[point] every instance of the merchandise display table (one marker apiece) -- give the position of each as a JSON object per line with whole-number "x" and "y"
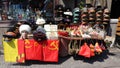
{"x": 72, "y": 45}
{"x": 19, "y": 50}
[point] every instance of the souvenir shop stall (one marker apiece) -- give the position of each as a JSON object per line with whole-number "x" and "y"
{"x": 72, "y": 31}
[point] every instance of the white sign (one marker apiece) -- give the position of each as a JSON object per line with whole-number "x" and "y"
{"x": 51, "y": 31}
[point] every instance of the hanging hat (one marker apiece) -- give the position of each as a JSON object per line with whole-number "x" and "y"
{"x": 25, "y": 27}
{"x": 40, "y": 21}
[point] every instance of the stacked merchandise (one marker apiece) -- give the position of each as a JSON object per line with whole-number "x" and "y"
{"x": 90, "y": 49}
{"x": 92, "y": 25}
{"x": 67, "y": 16}
{"x": 92, "y": 17}
{"x": 59, "y": 14}
{"x": 85, "y": 36}
{"x": 76, "y": 15}
{"x": 63, "y": 16}
{"x": 84, "y": 15}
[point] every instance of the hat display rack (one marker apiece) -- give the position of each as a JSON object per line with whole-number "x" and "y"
{"x": 93, "y": 11}
{"x": 96, "y": 14}
{"x": 96, "y": 11}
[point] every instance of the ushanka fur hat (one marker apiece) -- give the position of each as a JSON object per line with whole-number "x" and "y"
{"x": 24, "y": 27}
{"x": 39, "y": 34}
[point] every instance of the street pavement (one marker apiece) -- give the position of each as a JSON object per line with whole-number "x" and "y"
{"x": 108, "y": 59}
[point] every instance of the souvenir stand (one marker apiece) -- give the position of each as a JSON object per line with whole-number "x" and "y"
{"x": 85, "y": 35}
{"x": 79, "y": 31}
{"x": 28, "y": 39}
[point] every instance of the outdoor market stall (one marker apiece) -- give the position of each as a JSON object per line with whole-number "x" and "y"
{"x": 81, "y": 32}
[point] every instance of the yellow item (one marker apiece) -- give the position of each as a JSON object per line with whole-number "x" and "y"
{"x": 10, "y": 50}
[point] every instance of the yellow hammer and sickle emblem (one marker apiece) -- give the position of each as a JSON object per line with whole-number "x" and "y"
{"x": 27, "y": 42}
{"x": 55, "y": 45}
{"x": 36, "y": 43}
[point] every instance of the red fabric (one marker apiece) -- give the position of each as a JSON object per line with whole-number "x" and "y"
{"x": 21, "y": 51}
{"x": 33, "y": 50}
{"x": 92, "y": 50}
{"x": 50, "y": 50}
{"x": 84, "y": 50}
{"x": 97, "y": 47}
{"x": 63, "y": 33}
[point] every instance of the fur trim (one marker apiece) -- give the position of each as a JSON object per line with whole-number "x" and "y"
{"x": 24, "y": 27}
{"x": 41, "y": 29}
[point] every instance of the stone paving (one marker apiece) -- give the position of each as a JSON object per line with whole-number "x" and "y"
{"x": 109, "y": 59}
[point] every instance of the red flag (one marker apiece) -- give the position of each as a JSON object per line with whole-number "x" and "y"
{"x": 33, "y": 50}
{"x": 21, "y": 51}
{"x": 29, "y": 50}
{"x": 50, "y": 50}
{"x": 84, "y": 51}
